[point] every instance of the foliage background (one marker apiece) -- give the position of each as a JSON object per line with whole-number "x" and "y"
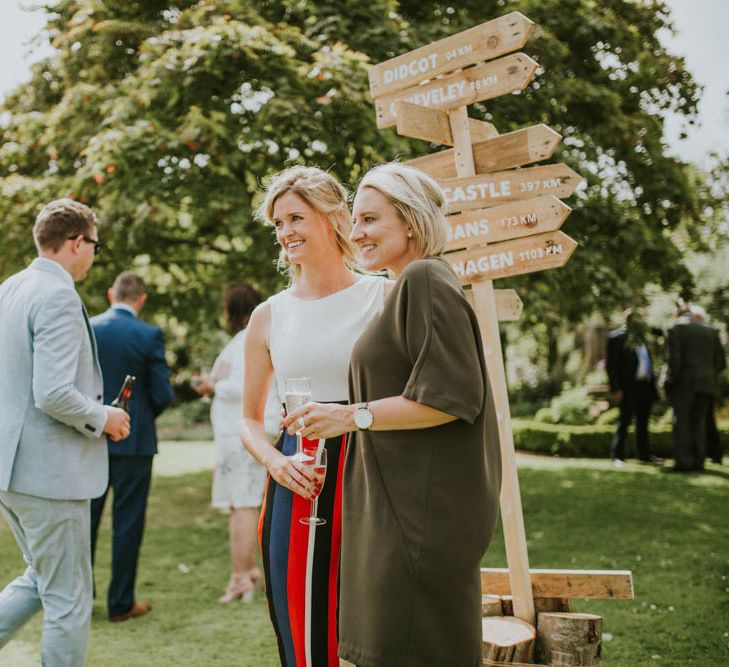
{"x": 167, "y": 118}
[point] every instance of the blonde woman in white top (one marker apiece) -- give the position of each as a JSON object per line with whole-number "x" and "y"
{"x": 307, "y": 330}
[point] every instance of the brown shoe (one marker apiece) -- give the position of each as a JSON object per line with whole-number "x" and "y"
{"x": 138, "y": 609}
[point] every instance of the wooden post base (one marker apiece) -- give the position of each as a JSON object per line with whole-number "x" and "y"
{"x": 491, "y": 605}
{"x": 569, "y": 639}
{"x": 508, "y": 639}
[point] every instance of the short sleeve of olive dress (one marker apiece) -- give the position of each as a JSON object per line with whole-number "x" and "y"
{"x": 420, "y": 506}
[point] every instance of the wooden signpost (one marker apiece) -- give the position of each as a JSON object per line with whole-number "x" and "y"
{"x": 490, "y": 154}
{"x": 504, "y": 221}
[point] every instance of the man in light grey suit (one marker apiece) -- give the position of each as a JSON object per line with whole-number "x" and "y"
{"x": 53, "y": 455}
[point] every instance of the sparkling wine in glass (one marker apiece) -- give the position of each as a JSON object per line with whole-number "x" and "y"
{"x": 316, "y": 463}
{"x": 298, "y": 394}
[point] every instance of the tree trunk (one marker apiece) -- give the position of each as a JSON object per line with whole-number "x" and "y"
{"x": 508, "y": 639}
{"x": 570, "y": 639}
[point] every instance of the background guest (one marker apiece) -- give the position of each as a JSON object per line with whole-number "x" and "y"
{"x": 52, "y": 448}
{"x": 714, "y": 445}
{"x": 633, "y": 384}
{"x": 129, "y": 346}
{"x": 695, "y": 359}
{"x": 239, "y": 479}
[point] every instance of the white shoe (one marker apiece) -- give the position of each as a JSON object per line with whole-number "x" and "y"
{"x": 618, "y": 463}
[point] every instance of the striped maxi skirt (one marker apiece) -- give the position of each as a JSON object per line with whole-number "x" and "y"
{"x": 301, "y": 563}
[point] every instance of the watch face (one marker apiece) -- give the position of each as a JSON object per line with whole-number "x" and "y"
{"x": 363, "y": 418}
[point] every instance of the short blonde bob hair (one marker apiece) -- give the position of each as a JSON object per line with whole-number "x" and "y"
{"x": 419, "y": 200}
{"x": 323, "y": 193}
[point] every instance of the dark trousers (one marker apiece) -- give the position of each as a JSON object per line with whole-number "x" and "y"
{"x": 690, "y": 411}
{"x": 636, "y": 403}
{"x": 129, "y": 477}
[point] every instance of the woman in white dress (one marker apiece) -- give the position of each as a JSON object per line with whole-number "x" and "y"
{"x": 307, "y": 330}
{"x": 239, "y": 479}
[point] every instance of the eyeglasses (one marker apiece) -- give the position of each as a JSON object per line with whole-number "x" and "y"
{"x": 88, "y": 239}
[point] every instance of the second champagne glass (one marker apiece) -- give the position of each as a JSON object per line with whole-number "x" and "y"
{"x": 317, "y": 463}
{"x": 298, "y": 394}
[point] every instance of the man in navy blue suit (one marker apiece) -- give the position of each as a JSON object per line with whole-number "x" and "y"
{"x": 633, "y": 384}
{"x": 129, "y": 346}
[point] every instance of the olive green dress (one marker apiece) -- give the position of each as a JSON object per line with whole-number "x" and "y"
{"x": 420, "y": 505}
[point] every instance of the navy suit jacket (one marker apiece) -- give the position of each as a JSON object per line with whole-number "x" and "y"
{"x": 129, "y": 346}
{"x": 622, "y": 364}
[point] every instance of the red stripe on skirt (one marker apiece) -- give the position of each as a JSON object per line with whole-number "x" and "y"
{"x": 262, "y": 515}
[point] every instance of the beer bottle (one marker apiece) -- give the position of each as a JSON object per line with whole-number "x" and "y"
{"x": 125, "y": 393}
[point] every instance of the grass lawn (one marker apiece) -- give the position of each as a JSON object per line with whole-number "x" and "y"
{"x": 670, "y": 530}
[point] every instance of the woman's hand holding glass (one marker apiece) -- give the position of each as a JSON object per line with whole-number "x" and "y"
{"x": 321, "y": 420}
{"x": 290, "y": 471}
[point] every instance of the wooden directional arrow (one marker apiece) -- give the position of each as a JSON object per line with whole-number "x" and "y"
{"x": 483, "y": 42}
{"x": 464, "y": 194}
{"x": 433, "y": 125}
{"x": 514, "y": 149}
{"x": 508, "y": 221}
{"x": 483, "y": 82}
{"x": 508, "y": 304}
{"x": 512, "y": 258}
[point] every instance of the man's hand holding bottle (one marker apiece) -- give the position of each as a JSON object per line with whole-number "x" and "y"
{"x": 117, "y": 423}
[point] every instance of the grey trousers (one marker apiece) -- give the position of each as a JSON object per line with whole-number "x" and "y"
{"x": 53, "y": 536}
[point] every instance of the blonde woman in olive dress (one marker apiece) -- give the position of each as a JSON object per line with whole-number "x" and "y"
{"x": 423, "y": 469}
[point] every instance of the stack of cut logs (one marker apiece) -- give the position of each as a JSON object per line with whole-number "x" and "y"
{"x": 560, "y": 638}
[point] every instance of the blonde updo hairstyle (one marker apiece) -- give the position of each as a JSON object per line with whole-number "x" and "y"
{"x": 323, "y": 193}
{"x": 419, "y": 200}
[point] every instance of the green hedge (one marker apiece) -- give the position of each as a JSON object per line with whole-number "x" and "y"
{"x": 585, "y": 441}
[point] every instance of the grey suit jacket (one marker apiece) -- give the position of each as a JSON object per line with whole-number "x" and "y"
{"x": 52, "y": 443}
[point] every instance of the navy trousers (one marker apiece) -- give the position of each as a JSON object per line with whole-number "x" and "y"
{"x": 129, "y": 477}
{"x": 636, "y": 404}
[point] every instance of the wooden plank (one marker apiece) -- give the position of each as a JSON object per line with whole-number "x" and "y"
{"x": 509, "y": 305}
{"x": 507, "y": 221}
{"x": 512, "y": 258}
{"x": 483, "y": 42}
{"x": 483, "y": 82}
{"x": 463, "y": 155}
{"x": 585, "y": 584}
{"x": 428, "y": 124}
{"x": 465, "y": 194}
{"x": 513, "y": 149}
{"x": 481, "y": 131}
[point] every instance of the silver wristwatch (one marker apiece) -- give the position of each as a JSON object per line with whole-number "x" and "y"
{"x": 363, "y": 417}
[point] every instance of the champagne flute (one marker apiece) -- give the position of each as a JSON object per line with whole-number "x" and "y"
{"x": 317, "y": 463}
{"x": 298, "y": 394}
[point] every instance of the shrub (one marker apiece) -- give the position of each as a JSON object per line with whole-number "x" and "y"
{"x": 572, "y": 406}
{"x": 584, "y": 441}
{"x": 608, "y": 418}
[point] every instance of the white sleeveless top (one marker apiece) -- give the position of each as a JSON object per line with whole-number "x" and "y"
{"x": 314, "y": 338}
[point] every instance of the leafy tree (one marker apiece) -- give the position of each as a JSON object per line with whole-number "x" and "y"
{"x": 165, "y": 118}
